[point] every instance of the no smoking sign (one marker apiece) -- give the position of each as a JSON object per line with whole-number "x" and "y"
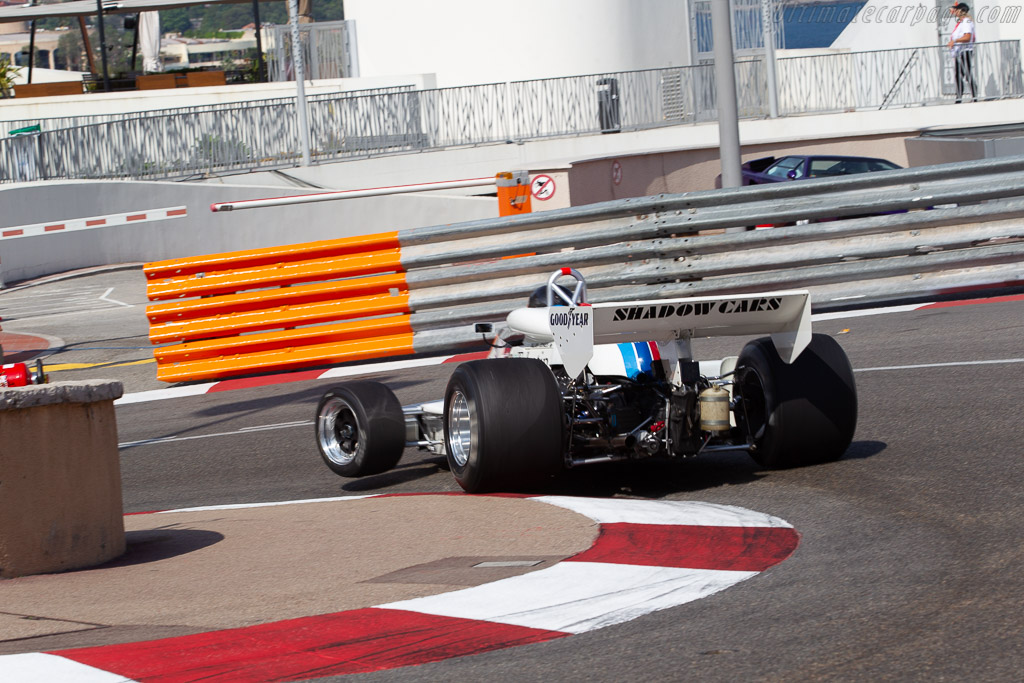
{"x": 543, "y": 187}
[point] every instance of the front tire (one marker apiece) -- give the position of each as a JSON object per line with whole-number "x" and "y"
{"x": 503, "y": 424}
{"x": 360, "y": 429}
{"x": 803, "y": 413}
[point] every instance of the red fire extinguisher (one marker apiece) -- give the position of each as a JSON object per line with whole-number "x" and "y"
{"x": 19, "y": 375}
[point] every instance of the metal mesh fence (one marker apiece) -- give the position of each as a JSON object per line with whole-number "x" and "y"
{"x": 233, "y": 138}
{"x": 328, "y": 51}
{"x": 891, "y": 78}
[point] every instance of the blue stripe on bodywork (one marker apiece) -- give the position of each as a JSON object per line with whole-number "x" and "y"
{"x": 629, "y": 359}
{"x": 643, "y": 352}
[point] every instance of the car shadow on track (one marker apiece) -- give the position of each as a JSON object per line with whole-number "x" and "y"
{"x": 308, "y": 395}
{"x": 408, "y": 470}
{"x": 659, "y": 478}
{"x": 859, "y": 450}
{"x": 646, "y": 479}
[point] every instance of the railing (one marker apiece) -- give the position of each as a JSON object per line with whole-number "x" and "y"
{"x": 891, "y": 78}
{"x": 328, "y": 51}
{"x": 233, "y": 138}
{"x": 931, "y": 231}
{"x": 58, "y": 122}
{"x": 200, "y": 140}
{"x": 747, "y": 27}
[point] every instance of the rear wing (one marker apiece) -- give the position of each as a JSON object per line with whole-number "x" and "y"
{"x": 785, "y": 315}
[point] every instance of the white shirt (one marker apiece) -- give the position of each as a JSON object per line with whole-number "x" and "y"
{"x": 962, "y": 28}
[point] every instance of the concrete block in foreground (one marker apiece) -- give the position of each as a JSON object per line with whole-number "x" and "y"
{"x": 60, "y": 477}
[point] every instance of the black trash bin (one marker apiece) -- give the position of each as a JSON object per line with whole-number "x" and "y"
{"x": 608, "y": 105}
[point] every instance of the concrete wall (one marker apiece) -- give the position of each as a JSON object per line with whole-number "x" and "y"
{"x": 700, "y": 169}
{"x": 885, "y": 24}
{"x": 938, "y": 149}
{"x": 468, "y": 42}
{"x": 59, "y": 466}
{"x": 756, "y": 135}
{"x": 201, "y": 231}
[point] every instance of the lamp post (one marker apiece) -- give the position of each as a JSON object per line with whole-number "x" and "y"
{"x": 768, "y": 33}
{"x": 300, "y": 81}
{"x": 725, "y": 88}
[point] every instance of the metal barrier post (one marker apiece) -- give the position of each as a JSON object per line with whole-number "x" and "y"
{"x": 513, "y": 193}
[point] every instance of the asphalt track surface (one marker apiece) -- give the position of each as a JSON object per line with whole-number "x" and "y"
{"x": 910, "y": 546}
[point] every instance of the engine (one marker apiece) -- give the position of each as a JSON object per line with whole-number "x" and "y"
{"x": 611, "y": 418}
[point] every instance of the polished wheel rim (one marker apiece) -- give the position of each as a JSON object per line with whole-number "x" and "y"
{"x": 338, "y": 431}
{"x": 459, "y": 436}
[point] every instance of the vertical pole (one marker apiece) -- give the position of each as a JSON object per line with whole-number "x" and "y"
{"x": 103, "y": 46}
{"x": 768, "y": 31}
{"x": 31, "y": 49}
{"x": 314, "y": 58}
{"x": 725, "y": 86}
{"x": 351, "y": 51}
{"x": 87, "y": 44}
{"x": 261, "y": 66}
{"x": 300, "y": 80}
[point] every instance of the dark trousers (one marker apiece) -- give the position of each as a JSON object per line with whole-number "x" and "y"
{"x": 964, "y": 74}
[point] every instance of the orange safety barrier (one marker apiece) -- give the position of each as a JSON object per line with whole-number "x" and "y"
{"x": 289, "y": 307}
{"x": 289, "y": 359}
{"x": 278, "y": 308}
{"x": 271, "y": 255}
{"x": 273, "y": 341}
{"x": 275, "y": 275}
{"x": 276, "y": 318}
{"x": 284, "y": 296}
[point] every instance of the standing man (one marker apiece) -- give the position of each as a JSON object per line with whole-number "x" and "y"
{"x": 961, "y": 46}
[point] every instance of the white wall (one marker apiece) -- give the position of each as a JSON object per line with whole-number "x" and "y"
{"x": 885, "y": 24}
{"x": 201, "y": 232}
{"x": 469, "y": 42}
{"x": 47, "y": 75}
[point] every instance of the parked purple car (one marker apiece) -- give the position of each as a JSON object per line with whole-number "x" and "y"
{"x": 798, "y": 166}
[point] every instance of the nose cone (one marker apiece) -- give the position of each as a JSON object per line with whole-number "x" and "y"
{"x": 532, "y": 323}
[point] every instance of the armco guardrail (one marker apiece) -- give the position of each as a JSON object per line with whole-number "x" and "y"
{"x": 889, "y": 235}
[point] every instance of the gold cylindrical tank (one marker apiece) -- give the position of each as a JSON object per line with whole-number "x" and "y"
{"x": 714, "y": 410}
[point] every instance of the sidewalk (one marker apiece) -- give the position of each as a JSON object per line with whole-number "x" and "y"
{"x": 300, "y": 590}
{"x": 189, "y": 572}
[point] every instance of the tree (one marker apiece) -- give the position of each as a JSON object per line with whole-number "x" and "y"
{"x": 7, "y": 73}
{"x": 119, "y": 49}
{"x": 175, "y": 21}
{"x": 71, "y": 52}
{"x": 198, "y": 20}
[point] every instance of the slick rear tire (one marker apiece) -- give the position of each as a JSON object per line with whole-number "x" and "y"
{"x": 360, "y": 429}
{"x": 799, "y": 414}
{"x": 503, "y": 424}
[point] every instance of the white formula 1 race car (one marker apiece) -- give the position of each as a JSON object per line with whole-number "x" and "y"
{"x": 569, "y": 384}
